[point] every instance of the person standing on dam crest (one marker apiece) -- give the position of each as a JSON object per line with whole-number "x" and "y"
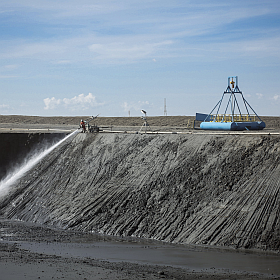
{"x": 83, "y": 126}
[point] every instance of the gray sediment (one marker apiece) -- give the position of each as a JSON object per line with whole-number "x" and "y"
{"x": 220, "y": 190}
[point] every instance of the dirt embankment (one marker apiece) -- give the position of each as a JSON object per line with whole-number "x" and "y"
{"x": 200, "y": 189}
{"x": 179, "y": 121}
{"x": 115, "y": 121}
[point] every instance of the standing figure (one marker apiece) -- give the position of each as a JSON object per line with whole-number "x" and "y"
{"x": 83, "y": 126}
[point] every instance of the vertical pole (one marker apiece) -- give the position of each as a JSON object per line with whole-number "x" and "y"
{"x": 232, "y": 110}
{"x": 145, "y": 123}
{"x": 165, "y": 111}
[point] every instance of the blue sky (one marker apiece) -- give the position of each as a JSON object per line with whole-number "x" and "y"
{"x": 71, "y": 58}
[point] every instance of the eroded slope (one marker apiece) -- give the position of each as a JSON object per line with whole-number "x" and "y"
{"x": 218, "y": 190}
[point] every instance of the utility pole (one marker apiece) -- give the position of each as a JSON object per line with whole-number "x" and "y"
{"x": 165, "y": 111}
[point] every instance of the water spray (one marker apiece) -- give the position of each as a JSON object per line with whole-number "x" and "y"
{"x": 13, "y": 177}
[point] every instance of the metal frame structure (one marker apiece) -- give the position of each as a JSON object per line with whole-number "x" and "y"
{"x": 232, "y": 103}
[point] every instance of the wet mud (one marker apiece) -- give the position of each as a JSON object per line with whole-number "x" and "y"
{"x": 32, "y": 251}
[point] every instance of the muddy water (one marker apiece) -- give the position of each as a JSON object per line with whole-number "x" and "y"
{"x": 192, "y": 258}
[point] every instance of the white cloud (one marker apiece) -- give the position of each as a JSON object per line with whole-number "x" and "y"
{"x": 90, "y": 48}
{"x": 51, "y": 103}
{"x": 138, "y": 35}
{"x": 80, "y": 102}
{"x": 276, "y": 97}
{"x": 259, "y": 95}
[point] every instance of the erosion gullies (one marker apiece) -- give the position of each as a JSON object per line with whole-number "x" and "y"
{"x": 198, "y": 189}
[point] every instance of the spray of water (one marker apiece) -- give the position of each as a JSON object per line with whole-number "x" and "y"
{"x": 13, "y": 177}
